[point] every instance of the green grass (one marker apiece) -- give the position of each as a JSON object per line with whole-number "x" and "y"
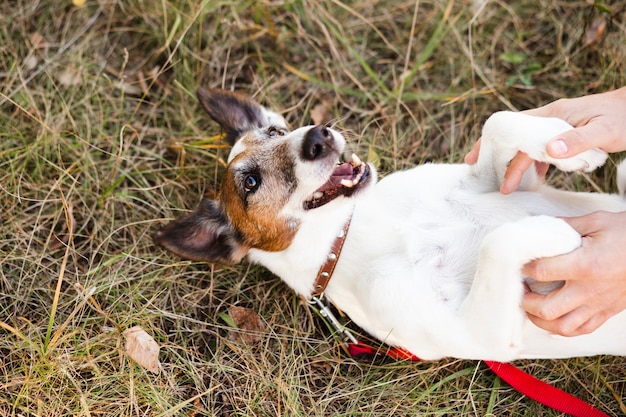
{"x": 102, "y": 141}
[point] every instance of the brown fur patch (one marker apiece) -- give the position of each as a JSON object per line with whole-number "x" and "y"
{"x": 256, "y": 215}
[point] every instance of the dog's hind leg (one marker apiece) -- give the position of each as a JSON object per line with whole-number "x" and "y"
{"x": 506, "y": 133}
{"x": 491, "y": 311}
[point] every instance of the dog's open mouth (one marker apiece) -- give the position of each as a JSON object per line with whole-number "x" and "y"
{"x": 346, "y": 178}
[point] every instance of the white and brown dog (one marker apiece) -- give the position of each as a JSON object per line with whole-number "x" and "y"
{"x": 427, "y": 259}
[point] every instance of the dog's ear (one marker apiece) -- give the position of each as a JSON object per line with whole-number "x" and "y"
{"x": 235, "y": 112}
{"x": 204, "y": 235}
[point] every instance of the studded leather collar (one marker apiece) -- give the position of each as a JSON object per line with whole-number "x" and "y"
{"x": 326, "y": 271}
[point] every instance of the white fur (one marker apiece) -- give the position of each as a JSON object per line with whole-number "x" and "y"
{"x": 433, "y": 255}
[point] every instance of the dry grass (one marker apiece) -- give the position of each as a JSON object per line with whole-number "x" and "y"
{"x": 102, "y": 139}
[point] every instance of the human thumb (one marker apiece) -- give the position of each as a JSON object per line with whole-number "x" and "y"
{"x": 572, "y": 142}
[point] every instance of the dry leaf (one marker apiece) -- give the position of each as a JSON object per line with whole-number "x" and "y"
{"x": 30, "y": 62}
{"x": 248, "y": 323}
{"x": 38, "y": 41}
{"x": 70, "y": 77}
{"x": 319, "y": 113}
{"x": 142, "y": 348}
{"x": 594, "y": 32}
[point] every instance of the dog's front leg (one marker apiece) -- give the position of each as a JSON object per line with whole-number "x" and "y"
{"x": 492, "y": 311}
{"x": 505, "y": 133}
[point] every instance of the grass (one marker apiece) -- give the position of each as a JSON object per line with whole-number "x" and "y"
{"x": 102, "y": 141}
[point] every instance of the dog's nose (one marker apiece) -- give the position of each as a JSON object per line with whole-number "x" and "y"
{"x": 317, "y": 143}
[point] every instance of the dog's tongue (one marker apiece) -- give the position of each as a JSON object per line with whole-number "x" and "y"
{"x": 343, "y": 181}
{"x": 341, "y": 172}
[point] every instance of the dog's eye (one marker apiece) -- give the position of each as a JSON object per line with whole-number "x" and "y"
{"x": 274, "y": 132}
{"x": 251, "y": 183}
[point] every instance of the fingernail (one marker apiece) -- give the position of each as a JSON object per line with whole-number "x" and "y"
{"x": 557, "y": 147}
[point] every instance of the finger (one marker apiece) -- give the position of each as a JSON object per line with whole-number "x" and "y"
{"x": 589, "y": 224}
{"x": 562, "y": 312}
{"x": 562, "y": 267}
{"x": 544, "y": 307}
{"x": 555, "y": 268}
{"x": 472, "y": 156}
{"x": 514, "y": 172}
{"x": 575, "y": 141}
{"x": 543, "y": 111}
{"x": 573, "y": 324}
{"x": 589, "y": 326}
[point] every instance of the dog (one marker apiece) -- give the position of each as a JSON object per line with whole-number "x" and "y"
{"x": 428, "y": 259}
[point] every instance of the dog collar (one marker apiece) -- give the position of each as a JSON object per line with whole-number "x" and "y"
{"x": 326, "y": 271}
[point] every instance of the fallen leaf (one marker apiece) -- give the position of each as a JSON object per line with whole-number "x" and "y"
{"x": 31, "y": 62}
{"x": 70, "y": 77}
{"x": 142, "y": 348}
{"x": 38, "y": 41}
{"x": 319, "y": 113}
{"x": 249, "y": 325}
{"x": 594, "y": 32}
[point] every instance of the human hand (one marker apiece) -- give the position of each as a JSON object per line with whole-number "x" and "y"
{"x": 514, "y": 172}
{"x": 598, "y": 121}
{"x": 594, "y": 275}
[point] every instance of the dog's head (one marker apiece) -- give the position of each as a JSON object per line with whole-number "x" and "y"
{"x": 275, "y": 178}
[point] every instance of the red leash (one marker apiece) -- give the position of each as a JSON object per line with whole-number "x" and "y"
{"x": 523, "y": 382}
{"x": 542, "y": 392}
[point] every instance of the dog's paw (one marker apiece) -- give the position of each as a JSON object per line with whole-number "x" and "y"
{"x": 503, "y": 253}
{"x": 534, "y": 237}
{"x": 586, "y": 161}
{"x": 553, "y": 236}
{"x": 531, "y": 135}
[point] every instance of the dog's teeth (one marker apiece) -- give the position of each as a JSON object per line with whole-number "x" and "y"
{"x": 355, "y": 160}
{"x": 318, "y": 194}
{"x": 347, "y": 183}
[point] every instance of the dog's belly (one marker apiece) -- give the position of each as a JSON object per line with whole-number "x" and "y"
{"x": 407, "y": 274}
{"x": 413, "y": 254}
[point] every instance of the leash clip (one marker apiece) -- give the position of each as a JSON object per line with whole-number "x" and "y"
{"x": 325, "y": 311}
